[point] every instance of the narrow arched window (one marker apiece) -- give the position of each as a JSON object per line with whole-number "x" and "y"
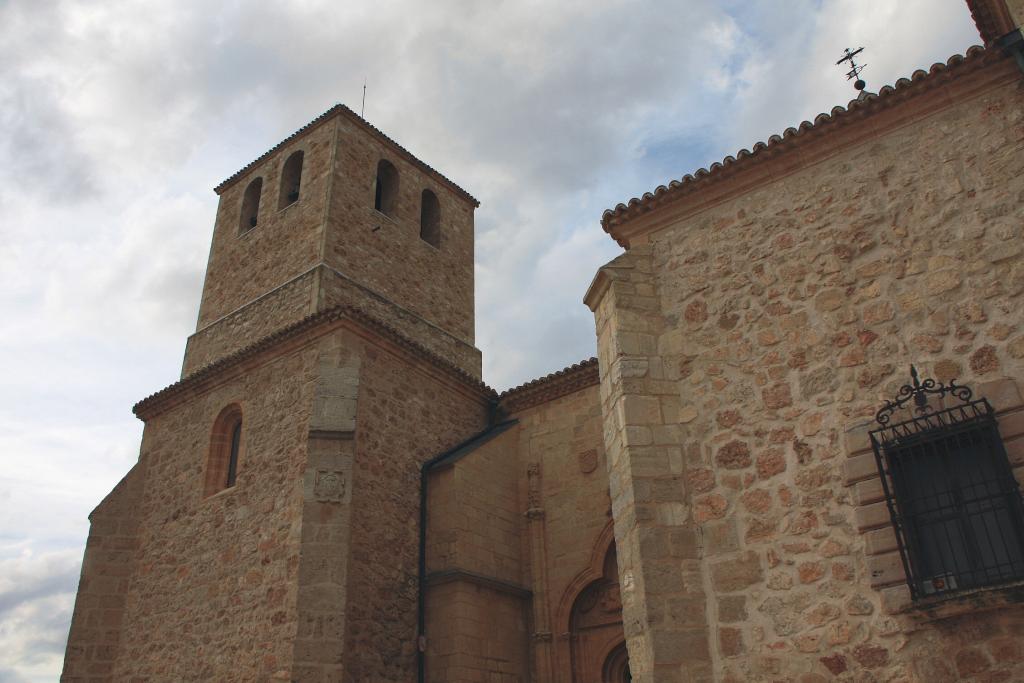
{"x": 385, "y": 188}
{"x": 236, "y": 442}
{"x": 291, "y": 180}
{"x": 250, "y": 206}
{"x": 226, "y": 450}
{"x": 430, "y": 219}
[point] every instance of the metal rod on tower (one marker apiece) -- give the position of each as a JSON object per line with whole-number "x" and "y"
{"x": 362, "y": 109}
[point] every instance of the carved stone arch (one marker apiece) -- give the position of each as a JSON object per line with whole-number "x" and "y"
{"x": 592, "y": 572}
{"x": 589, "y": 620}
{"x": 250, "y": 211}
{"x": 291, "y": 179}
{"x": 616, "y": 666}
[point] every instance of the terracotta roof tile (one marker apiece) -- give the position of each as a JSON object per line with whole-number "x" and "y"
{"x": 780, "y": 143}
{"x": 342, "y": 110}
{"x": 549, "y": 387}
{"x": 292, "y": 331}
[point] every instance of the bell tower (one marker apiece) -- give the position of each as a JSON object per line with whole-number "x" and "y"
{"x": 333, "y": 356}
{"x": 338, "y": 214}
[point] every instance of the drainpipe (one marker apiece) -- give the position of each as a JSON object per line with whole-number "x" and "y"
{"x": 494, "y": 428}
{"x": 1013, "y": 44}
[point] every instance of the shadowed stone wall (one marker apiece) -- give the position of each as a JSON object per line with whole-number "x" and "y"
{"x": 762, "y": 328}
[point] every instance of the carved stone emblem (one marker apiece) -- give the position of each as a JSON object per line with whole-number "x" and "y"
{"x": 588, "y": 461}
{"x": 600, "y": 604}
{"x": 533, "y": 501}
{"x": 329, "y": 486}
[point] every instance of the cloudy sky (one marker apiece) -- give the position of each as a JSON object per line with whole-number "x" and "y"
{"x": 117, "y": 117}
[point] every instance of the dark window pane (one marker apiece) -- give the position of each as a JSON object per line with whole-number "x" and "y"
{"x": 236, "y": 439}
{"x": 957, "y": 507}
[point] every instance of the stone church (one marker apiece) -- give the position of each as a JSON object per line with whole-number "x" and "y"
{"x": 747, "y": 483}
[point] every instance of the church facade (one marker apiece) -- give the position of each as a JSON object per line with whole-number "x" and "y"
{"x": 746, "y": 484}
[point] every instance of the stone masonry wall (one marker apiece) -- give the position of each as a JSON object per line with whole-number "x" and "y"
{"x": 475, "y": 521}
{"x": 1016, "y": 10}
{"x": 336, "y": 288}
{"x": 476, "y": 633}
{"x": 318, "y": 290}
{"x": 530, "y": 508}
{"x": 564, "y": 494}
{"x": 406, "y": 415}
{"x": 385, "y": 253}
{"x": 657, "y": 533}
{"x": 110, "y": 560}
{"x": 789, "y": 314}
{"x": 267, "y": 277}
{"x": 214, "y": 596}
{"x": 274, "y": 311}
{"x": 476, "y": 604}
{"x": 284, "y": 244}
{"x": 327, "y": 513}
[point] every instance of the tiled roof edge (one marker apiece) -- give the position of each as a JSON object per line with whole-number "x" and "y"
{"x": 919, "y": 80}
{"x": 351, "y": 115}
{"x": 547, "y": 388}
{"x": 294, "y": 330}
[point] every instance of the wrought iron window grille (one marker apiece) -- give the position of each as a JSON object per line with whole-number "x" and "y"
{"x": 955, "y": 505}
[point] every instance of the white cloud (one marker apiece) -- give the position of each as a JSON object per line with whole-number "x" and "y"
{"x": 36, "y": 598}
{"x": 121, "y": 114}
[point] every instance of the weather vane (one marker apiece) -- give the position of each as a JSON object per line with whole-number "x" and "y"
{"x": 855, "y": 69}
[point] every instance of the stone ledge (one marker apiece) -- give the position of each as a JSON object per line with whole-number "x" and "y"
{"x": 293, "y": 334}
{"x": 464, "y": 576}
{"x": 886, "y": 570}
{"x": 976, "y": 600}
{"x": 860, "y": 468}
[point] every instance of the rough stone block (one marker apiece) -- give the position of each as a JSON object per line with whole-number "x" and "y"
{"x": 1011, "y": 424}
{"x": 732, "y": 609}
{"x": 734, "y": 574}
{"x": 868, "y": 492}
{"x": 640, "y": 410}
{"x": 886, "y": 570}
{"x": 857, "y": 438}
{"x": 872, "y": 516}
{"x": 879, "y": 541}
{"x": 859, "y": 468}
{"x": 1003, "y": 394}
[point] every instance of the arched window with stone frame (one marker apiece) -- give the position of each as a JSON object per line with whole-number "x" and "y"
{"x": 291, "y": 180}
{"x": 226, "y": 451}
{"x": 249, "y": 215}
{"x": 430, "y": 219}
{"x": 385, "y": 188}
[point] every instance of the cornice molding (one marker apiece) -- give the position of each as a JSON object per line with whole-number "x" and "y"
{"x": 314, "y": 325}
{"x": 548, "y": 388}
{"x": 862, "y": 120}
{"x": 597, "y": 289}
{"x": 329, "y": 115}
{"x": 463, "y": 575}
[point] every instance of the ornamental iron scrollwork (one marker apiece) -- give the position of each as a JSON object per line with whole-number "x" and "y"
{"x": 919, "y": 392}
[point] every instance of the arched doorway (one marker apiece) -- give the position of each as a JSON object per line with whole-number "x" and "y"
{"x": 616, "y": 667}
{"x": 595, "y": 627}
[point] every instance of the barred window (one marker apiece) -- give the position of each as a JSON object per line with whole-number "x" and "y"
{"x": 955, "y": 504}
